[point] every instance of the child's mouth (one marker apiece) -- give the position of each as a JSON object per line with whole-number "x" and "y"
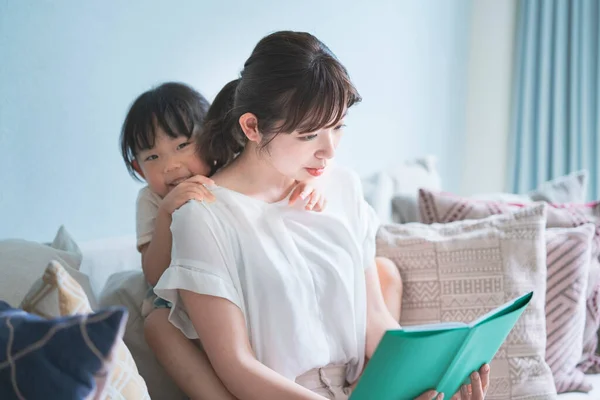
{"x": 177, "y": 182}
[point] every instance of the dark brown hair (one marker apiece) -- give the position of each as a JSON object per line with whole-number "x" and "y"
{"x": 176, "y": 108}
{"x": 291, "y": 82}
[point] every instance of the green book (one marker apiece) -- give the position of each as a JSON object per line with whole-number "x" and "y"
{"x": 412, "y": 360}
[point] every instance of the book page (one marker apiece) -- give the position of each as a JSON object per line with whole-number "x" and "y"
{"x": 442, "y": 326}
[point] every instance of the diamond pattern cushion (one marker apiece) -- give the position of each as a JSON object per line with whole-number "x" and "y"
{"x": 58, "y": 294}
{"x": 61, "y": 358}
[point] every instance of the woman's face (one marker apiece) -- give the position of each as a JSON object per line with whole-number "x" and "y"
{"x": 303, "y": 156}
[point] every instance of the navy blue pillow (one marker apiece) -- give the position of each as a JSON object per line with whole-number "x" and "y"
{"x": 61, "y": 358}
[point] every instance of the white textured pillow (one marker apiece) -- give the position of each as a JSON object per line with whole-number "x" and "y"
{"x": 404, "y": 179}
{"x": 22, "y": 262}
{"x": 571, "y": 188}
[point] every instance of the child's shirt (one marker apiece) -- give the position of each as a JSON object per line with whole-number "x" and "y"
{"x": 145, "y": 215}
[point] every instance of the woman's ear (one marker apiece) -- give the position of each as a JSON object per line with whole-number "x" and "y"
{"x": 249, "y": 124}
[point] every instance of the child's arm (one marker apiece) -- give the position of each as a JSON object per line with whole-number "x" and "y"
{"x": 156, "y": 254}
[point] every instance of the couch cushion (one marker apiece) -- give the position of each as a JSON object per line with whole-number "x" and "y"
{"x": 443, "y": 208}
{"x": 401, "y": 180}
{"x": 57, "y": 294}
{"x": 458, "y": 272}
{"x": 60, "y": 358}
{"x": 22, "y": 262}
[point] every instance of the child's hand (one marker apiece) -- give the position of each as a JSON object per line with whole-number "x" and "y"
{"x": 316, "y": 201}
{"x": 191, "y": 188}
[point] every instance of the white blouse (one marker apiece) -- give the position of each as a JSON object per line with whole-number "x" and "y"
{"x": 296, "y": 275}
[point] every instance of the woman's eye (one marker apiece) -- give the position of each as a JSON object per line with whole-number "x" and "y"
{"x": 337, "y": 128}
{"x": 308, "y": 137}
{"x": 182, "y": 145}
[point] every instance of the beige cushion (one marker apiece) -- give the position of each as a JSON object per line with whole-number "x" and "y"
{"x": 57, "y": 294}
{"x": 444, "y": 207}
{"x": 460, "y": 271}
{"x": 129, "y": 289}
{"x": 568, "y": 259}
{"x": 22, "y": 262}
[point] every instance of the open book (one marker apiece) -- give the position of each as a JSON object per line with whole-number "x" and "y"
{"x": 414, "y": 359}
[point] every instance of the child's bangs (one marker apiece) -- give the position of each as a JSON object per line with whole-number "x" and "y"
{"x": 176, "y": 120}
{"x": 322, "y": 100}
{"x": 172, "y": 120}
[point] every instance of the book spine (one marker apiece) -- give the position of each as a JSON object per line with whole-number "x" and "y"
{"x": 444, "y": 382}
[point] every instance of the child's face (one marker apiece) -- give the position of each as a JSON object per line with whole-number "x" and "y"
{"x": 169, "y": 162}
{"x": 304, "y": 156}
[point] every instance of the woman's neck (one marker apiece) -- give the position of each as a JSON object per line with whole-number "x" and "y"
{"x": 252, "y": 175}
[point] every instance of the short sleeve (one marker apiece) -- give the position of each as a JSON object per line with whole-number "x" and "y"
{"x": 368, "y": 224}
{"x": 145, "y": 215}
{"x": 201, "y": 262}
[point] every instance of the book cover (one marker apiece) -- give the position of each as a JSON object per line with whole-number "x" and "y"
{"x": 412, "y": 360}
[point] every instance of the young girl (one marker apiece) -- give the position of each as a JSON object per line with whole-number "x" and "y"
{"x": 158, "y": 145}
{"x": 287, "y": 303}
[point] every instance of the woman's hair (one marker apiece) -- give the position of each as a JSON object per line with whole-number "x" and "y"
{"x": 291, "y": 82}
{"x": 175, "y": 108}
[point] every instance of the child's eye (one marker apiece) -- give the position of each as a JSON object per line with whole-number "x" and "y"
{"x": 337, "y": 128}
{"x": 307, "y": 137}
{"x": 151, "y": 157}
{"x": 182, "y": 145}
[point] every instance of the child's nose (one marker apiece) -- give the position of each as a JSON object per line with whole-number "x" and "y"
{"x": 172, "y": 165}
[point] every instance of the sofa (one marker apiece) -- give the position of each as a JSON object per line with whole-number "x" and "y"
{"x": 109, "y": 269}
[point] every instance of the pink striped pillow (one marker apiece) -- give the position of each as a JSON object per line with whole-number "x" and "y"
{"x": 568, "y": 259}
{"x": 443, "y": 208}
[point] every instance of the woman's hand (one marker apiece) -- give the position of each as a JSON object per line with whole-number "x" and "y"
{"x": 316, "y": 201}
{"x": 480, "y": 381}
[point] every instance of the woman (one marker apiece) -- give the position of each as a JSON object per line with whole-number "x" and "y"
{"x": 286, "y": 303}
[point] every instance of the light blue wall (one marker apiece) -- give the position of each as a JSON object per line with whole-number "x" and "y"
{"x": 69, "y": 69}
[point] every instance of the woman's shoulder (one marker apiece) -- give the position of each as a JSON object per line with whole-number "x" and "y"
{"x": 198, "y": 215}
{"x": 340, "y": 179}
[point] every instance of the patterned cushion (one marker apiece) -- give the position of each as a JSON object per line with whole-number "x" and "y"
{"x": 58, "y": 294}
{"x": 443, "y": 208}
{"x": 459, "y": 271}
{"x": 568, "y": 259}
{"x": 62, "y": 358}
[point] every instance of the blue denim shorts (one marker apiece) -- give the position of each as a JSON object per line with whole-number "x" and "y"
{"x": 152, "y": 302}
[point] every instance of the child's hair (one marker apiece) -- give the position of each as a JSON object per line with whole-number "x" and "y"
{"x": 291, "y": 82}
{"x": 176, "y": 108}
